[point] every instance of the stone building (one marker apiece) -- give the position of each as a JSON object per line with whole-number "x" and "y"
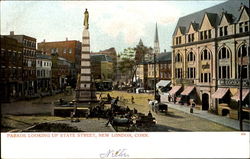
{"x": 11, "y": 83}
{"x": 207, "y": 46}
{"x": 28, "y": 63}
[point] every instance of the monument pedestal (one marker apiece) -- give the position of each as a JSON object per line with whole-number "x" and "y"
{"x": 85, "y": 91}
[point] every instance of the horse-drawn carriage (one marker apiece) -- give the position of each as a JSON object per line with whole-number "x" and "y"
{"x": 155, "y": 106}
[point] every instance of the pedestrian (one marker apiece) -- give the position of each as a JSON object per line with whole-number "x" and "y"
{"x": 132, "y": 100}
{"x": 150, "y": 114}
{"x": 135, "y": 111}
{"x": 100, "y": 96}
{"x": 110, "y": 116}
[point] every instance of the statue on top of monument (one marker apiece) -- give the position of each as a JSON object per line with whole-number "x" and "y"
{"x": 86, "y": 19}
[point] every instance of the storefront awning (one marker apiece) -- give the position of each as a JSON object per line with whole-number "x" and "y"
{"x": 163, "y": 83}
{"x": 187, "y": 90}
{"x": 220, "y": 93}
{"x": 245, "y": 92}
{"x": 174, "y": 90}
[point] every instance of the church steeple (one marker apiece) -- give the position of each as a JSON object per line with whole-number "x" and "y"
{"x": 156, "y": 41}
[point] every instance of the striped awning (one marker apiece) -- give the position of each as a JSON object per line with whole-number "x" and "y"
{"x": 174, "y": 90}
{"x": 245, "y": 92}
{"x": 187, "y": 90}
{"x": 220, "y": 93}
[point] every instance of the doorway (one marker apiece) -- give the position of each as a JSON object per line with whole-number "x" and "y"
{"x": 205, "y": 102}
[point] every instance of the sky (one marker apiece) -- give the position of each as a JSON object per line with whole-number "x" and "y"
{"x": 119, "y": 24}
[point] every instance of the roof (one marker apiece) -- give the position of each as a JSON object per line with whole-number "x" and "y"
{"x": 43, "y": 56}
{"x": 214, "y": 14}
{"x": 163, "y": 57}
{"x": 100, "y": 57}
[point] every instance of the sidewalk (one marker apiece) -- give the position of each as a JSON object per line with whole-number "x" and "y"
{"x": 215, "y": 118}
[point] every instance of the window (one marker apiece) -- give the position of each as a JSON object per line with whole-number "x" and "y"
{"x": 246, "y": 26}
{"x": 243, "y": 51}
{"x": 241, "y": 27}
{"x": 70, "y": 50}
{"x": 191, "y": 56}
{"x": 191, "y": 72}
{"x": 225, "y": 30}
{"x": 65, "y": 51}
{"x": 205, "y": 77}
{"x": 221, "y": 31}
{"x": 201, "y": 35}
{"x": 205, "y": 55}
{"x": 209, "y": 34}
{"x": 224, "y": 72}
{"x": 178, "y": 58}
{"x": 178, "y": 72}
{"x": 224, "y": 53}
{"x": 205, "y": 34}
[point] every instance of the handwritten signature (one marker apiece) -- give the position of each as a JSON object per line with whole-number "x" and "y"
{"x": 122, "y": 153}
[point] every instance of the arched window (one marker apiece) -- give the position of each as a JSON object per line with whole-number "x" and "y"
{"x": 191, "y": 56}
{"x": 205, "y": 55}
{"x": 178, "y": 58}
{"x": 242, "y": 50}
{"x": 224, "y": 53}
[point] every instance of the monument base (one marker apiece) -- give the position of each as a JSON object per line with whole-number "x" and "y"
{"x": 86, "y": 96}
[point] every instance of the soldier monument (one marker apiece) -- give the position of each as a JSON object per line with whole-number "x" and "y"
{"x": 85, "y": 91}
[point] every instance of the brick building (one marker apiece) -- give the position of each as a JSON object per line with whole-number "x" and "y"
{"x": 68, "y": 49}
{"x": 11, "y": 83}
{"x": 28, "y": 63}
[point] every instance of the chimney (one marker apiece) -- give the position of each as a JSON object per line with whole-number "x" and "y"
{"x": 66, "y": 38}
{"x": 11, "y": 33}
{"x": 44, "y": 40}
{"x": 165, "y": 51}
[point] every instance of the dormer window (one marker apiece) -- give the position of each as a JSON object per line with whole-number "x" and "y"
{"x": 190, "y": 38}
{"x": 178, "y": 40}
{"x": 244, "y": 27}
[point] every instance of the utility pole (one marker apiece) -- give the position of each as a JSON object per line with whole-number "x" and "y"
{"x": 154, "y": 76}
{"x": 240, "y": 101}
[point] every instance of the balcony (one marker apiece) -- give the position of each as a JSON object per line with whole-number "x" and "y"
{"x": 233, "y": 82}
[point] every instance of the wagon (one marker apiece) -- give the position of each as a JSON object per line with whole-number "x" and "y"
{"x": 161, "y": 107}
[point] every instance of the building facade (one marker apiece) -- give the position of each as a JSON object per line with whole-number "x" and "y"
{"x": 28, "y": 63}
{"x": 11, "y": 81}
{"x": 103, "y": 71}
{"x": 207, "y": 46}
{"x": 68, "y": 49}
{"x": 111, "y": 52}
{"x": 43, "y": 73}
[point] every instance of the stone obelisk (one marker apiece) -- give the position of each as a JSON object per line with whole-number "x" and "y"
{"x": 85, "y": 90}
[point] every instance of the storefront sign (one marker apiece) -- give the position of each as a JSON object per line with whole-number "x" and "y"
{"x": 234, "y": 82}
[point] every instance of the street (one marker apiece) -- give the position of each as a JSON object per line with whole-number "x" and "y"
{"x": 173, "y": 120}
